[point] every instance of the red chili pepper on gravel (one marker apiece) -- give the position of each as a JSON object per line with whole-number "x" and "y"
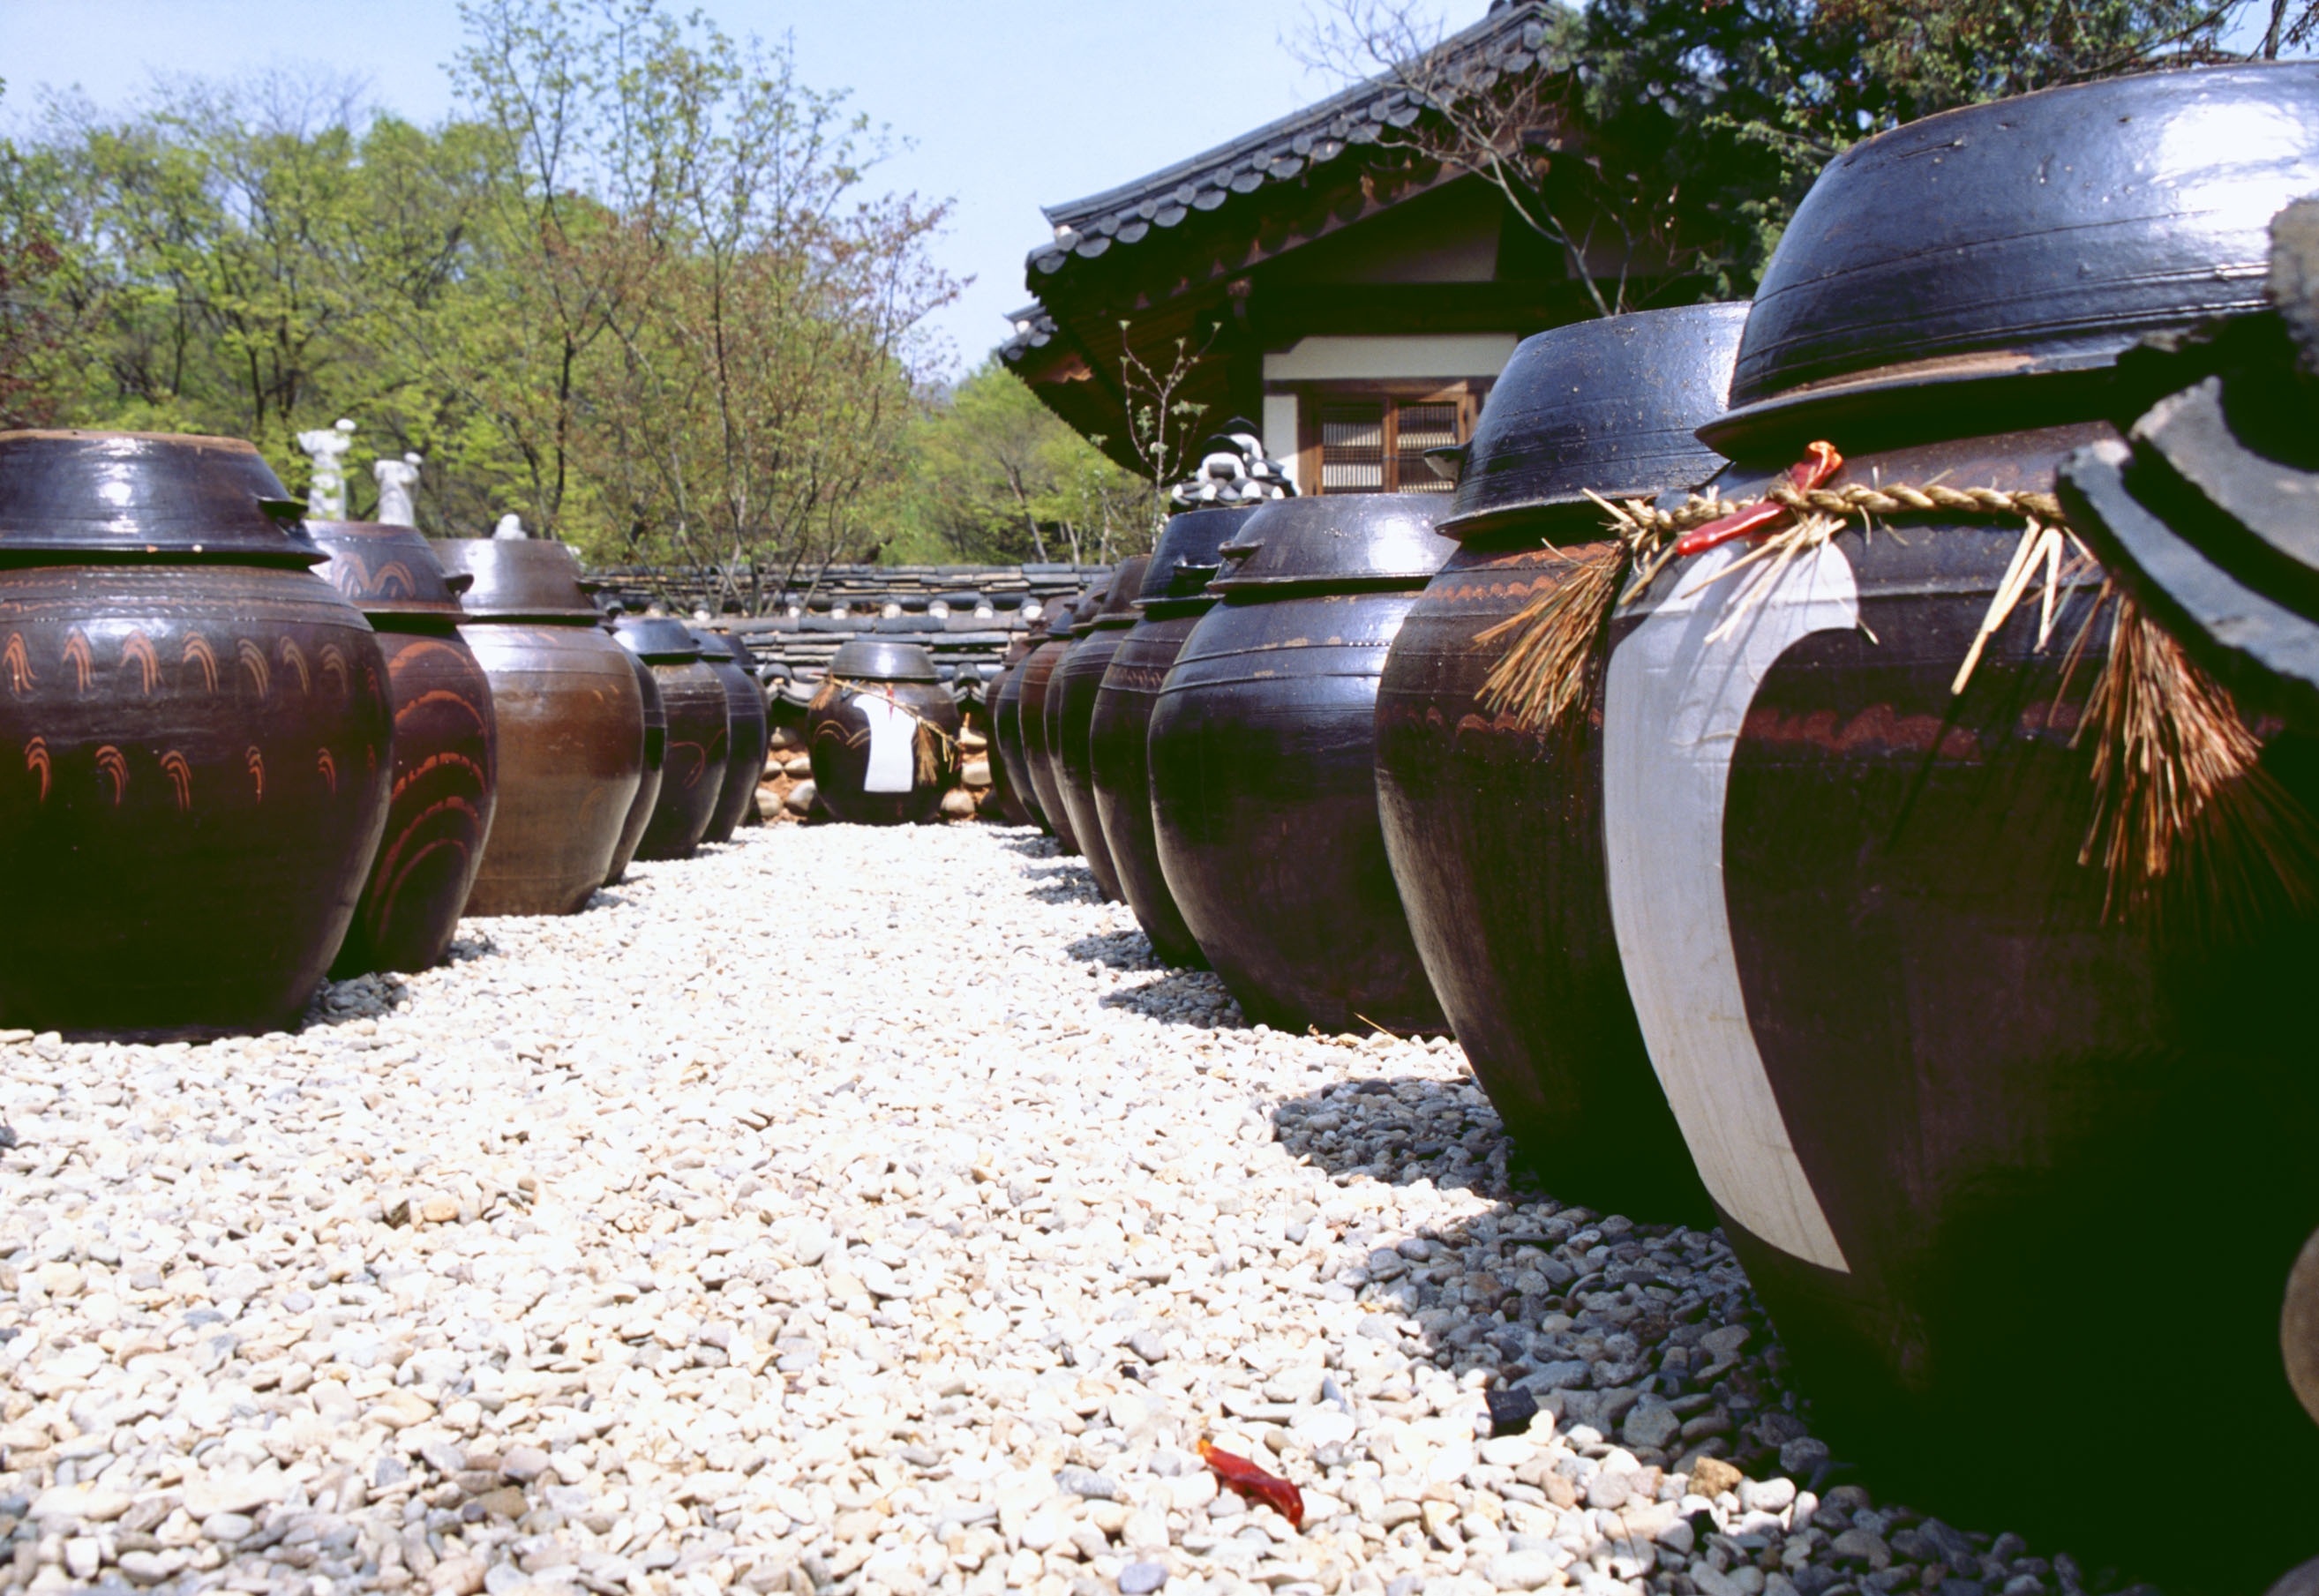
{"x": 1256, "y": 1483}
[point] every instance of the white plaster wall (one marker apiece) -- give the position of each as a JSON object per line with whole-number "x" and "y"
{"x": 1335, "y": 356}
{"x": 1280, "y": 433}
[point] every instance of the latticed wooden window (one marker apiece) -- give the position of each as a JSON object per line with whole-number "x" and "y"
{"x": 1378, "y": 445}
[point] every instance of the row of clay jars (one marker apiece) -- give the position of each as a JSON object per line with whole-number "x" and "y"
{"x": 1073, "y": 690}
{"x": 1918, "y": 1054}
{"x": 195, "y": 740}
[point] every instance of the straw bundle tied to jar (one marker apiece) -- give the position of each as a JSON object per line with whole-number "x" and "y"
{"x": 2180, "y": 793}
{"x": 931, "y": 747}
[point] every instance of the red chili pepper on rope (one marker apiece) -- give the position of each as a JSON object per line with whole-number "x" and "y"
{"x": 1250, "y": 1481}
{"x": 1821, "y": 464}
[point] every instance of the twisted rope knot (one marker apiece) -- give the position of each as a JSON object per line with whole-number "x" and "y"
{"x": 1646, "y": 521}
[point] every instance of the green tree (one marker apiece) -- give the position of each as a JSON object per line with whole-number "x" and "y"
{"x": 995, "y": 477}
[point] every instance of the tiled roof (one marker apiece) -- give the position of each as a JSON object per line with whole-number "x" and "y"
{"x": 1508, "y": 40}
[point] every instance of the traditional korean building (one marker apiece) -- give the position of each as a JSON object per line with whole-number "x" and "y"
{"x": 1353, "y": 298}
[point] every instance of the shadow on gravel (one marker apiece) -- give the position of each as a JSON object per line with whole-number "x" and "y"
{"x": 1194, "y": 997}
{"x": 1118, "y": 950}
{"x": 1031, "y": 844}
{"x": 1647, "y": 1333}
{"x": 1069, "y": 881}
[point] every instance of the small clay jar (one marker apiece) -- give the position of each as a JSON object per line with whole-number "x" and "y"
{"x": 882, "y": 734}
{"x": 445, "y": 746}
{"x": 570, "y": 724}
{"x": 692, "y": 776}
{"x": 744, "y": 731}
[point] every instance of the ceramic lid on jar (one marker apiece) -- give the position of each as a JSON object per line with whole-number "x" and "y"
{"x": 92, "y": 495}
{"x": 387, "y": 570}
{"x": 656, "y": 639}
{"x": 518, "y": 579}
{"x": 2032, "y": 236}
{"x": 1070, "y": 622}
{"x": 724, "y": 647}
{"x": 1185, "y": 559}
{"x": 1117, "y": 611}
{"x": 1338, "y": 540}
{"x": 881, "y": 659}
{"x": 1611, "y": 407}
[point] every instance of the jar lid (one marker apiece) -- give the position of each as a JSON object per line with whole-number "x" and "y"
{"x": 881, "y": 659}
{"x": 1344, "y": 541}
{"x": 94, "y": 495}
{"x": 2037, "y": 237}
{"x": 1610, "y": 406}
{"x": 1118, "y": 611}
{"x": 387, "y": 570}
{"x": 518, "y": 579}
{"x": 656, "y": 639}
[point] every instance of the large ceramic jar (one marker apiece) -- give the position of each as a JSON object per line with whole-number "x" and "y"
{"x": 882, "y": 734}
{"x": 1071, "y": 694}
{"x": 1173, "y": 596}
{"x": 1038, "y": 674}
{"x": 1009, "y": 776}
{"x": 1263, "y": 770}
{"x": 744, "y": 731}
{"x": 570, "y": 724}
{"x": 195, "y": 740}
{"x": 1496, "y": 828}
{"x": 1952, "y": 1095}
{"x": 647, "y": 798}
{"x": 692, "y": 699}
{"x": 446, "y": 746}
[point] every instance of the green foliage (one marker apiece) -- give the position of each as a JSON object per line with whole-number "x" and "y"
{"x": 1719, "y": 116}
{"x": 640, "y": 293}
{"x": 996, "y": 478}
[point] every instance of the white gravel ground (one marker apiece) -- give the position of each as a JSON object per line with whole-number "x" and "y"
{"x": 853, "y": 1209}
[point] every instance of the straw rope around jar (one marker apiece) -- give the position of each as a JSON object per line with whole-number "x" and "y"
{"x": 2178, "y": 789}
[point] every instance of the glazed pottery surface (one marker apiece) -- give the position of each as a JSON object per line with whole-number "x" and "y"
{"x": 1922, "y": 1070}
{"x": 96, "y": 497}
{"x": 200, "y": 733}
{"x": 1263, "y": 784}
{"x": 744, "y": 731}
{"x": 445, "y": 747}
{"x": 1495, "y": 830}
{"x": 883, "y": 748}
{"x": 530, "y": 579}
{"x": 201, "y": 758}
{"x": 1931, "y": 268}
{"x": 1017, "y": 799}
{"x": 1071, "y": 694}
{"x": 1172, "y": 599}
{"x": 692, "y": 768}
{"x": 647, "y": 798}
{"x": 572, "y": 740}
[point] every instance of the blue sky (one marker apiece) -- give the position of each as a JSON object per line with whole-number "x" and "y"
{"x": 1010, "y": 106}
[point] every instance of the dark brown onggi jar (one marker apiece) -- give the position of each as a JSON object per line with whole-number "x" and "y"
{"x": 1016, "y": 801}
{"x": 446, "y": 746}
{"x": 570, "y": 724}
{"x": 647, "y": 798}
{"x": 1952, "y": 1099}
{"x": 1496, "y": 829}
{"x": 1038, "y": 675}
{"x": 195, "y": 740}
{"x": 882, "y": 734}
{"x": 1071, "y": 694}
{"x": 692, "y": 699}
{"x": 1263, "y": 765}
{"x": 1173, "y": 596}
{"x": 744, "y": 731}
